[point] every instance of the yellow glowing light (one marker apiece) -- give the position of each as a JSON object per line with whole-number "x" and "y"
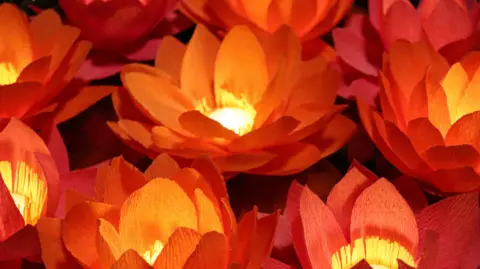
{"x": 233, "y": 113}
{"x": 151, "y": 255}
{"x": 379, "y": 253}
{"x": 8, "y": 74}
{"x": 28, "y": 190}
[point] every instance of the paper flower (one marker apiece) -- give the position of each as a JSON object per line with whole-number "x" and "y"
{"x": 366, "y": 223}
{"x": 28, "y": 190}
{"x": 428, "y": 125}
{"x": 121, "y": 31}
{"x": 449, "y": 26}
{"x": 38, "y": 60}
{"x": 251, "y": 107}
{"x": 308, "y": 18}
{"x": 166, "y": 218}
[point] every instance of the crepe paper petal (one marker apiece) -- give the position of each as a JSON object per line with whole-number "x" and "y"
{"x": 142, "y": 81}
{"x": 82, "y": 219}
{"x": 429, "y": 252}
{"x": 85, "y": 97}
{"x": 265, "y": 136}
{"x": 211, "y": 252}
{"x": 470, "y": 259}
{"x": 54, "y": 253}
{"x": 463, "y": 131}
{"x": 440, "y": 157}
{"x": 99, "y": 66}
{"x": 371, "y": 216}
{"x": 18, "y": 98}
{"x": 56, "y": 147}
{"x": 198, "y": 66}
{"x": 362, "y": 265}
{"x": 181, "y": 244}
{"x": 402, "y": 22}
{"x": 342, "y": 197}
{"x": 204, "y": 127}
{"x": 211, "y": 174}
{"x": 162, "y": 166}
{"x": 169, "y": 56}
{"x": 295, "y": 221}
{"x": 447, "y": 11}
{"x": 43, "y": 26}
{"x": 158, "y": 199}
{"x": 11, "y": 219}
{"x": 263, "y": 240}
{"x": 244, "y": 238}
{"x": 457, "y": 180}
{"x": 424, "y": 135}
{"x": 271, "y": 263}
{"x": 411, "y": 192}
{"x": 243, "y": 161}
{"x": 81, "y": 181}
{"x": 37, "y": 71}
{"x": 455, "y": 220}
{"x": 131, "y": 259}
{"x": 323, "y": 235}
{"x": 363, "y": 89}
{"x": 109, "y": 245}
{"x": 15, "y": 34}
{"x": 208, "y": 218}
{"x": 117, "y": 181}
{"x": 24, "y": 243}
{"x": 53, "y": 181}
{"x": 241, "y": 72}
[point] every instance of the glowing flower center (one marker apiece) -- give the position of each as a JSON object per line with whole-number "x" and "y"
{"x": 235, "y": 114}
{"x": 379, "y": 253}
{"x": 8, "y": 74}
{"x": 151, "y": 255}
{"x": 28, "y": 190}
{"x": 235, "y": 119}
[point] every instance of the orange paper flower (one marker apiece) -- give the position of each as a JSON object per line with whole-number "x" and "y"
{"x": 366, "y": 223}
{"x": 166, "y": 218}
{"x": 37, "y": 61}
{"x": 429, "y": 121}
{"x": 308, "y": 18}
{"x": 252, "y": 107}
{"x": 28, "y": 190}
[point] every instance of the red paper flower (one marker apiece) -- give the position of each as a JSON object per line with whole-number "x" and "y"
{"x": 38, "y": 60}
{"x": 429, "y": 120}
{"x": 29, "y": 189}
{"x": 252, "y": 107}
{"x": 366, "y": 223}
{"x": 121, "y": 30}
{"x": 450, "y": 26}
{"x": 166, "y": 218}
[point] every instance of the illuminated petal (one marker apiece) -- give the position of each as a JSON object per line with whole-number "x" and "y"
{"x": 262, "y": 243}
{"x": 465, "y": 131}
{"x": 204, "y": 127}
{"x": 125, "y": 107}
{"x": 466, "y": 104}
{"x": 140, "y": 132}
{"x": 240, "y": 67}
{"x": 244, "y": 161}
{"x": 371, "y": 216}
{"x": 18, "y": 98}
{"x": 82, "y": 219}
{"x": 162, "y": 166}
{"x": 211, "y": 252}
{"x": 246, "y": 231}
{"x": 109, "y": 245}
{"x": 208, "y": 218}
{"x": 42, "y": 29}
{"x": 54, "y": 253}
{"x": 198, "y": 66}
{"x": 454, "y": 84}
{"x": 117, "y": 181}
{"x": 169, "y": 56}
{"x": 423, "y": 134}
{"x": 323, "y": 235}
{"x": 451, "y": 157}
{"x": 180, "y": 246}
{"x": 131, "y": 259}
{"x": 455, "y": 220}
{"x": 159, "y": 199}
{"x": 343, "y": 196}
{"x": 211, "y": 174}
{"x": 11, "y": 218}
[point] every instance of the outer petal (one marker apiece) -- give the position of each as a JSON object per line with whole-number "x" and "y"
{"x": 162, "y": 166}
{"x": 22, "y": 244}
{"x": 131, "y": 259}
{"x": 372, "y": 216}
{"x": 402, "y": 22}
{"x": 211, "y": 252}
{"x": 262, "y": 243}
{"x": 11, "y": 219}
{"x": 179, "y": 247}
{"x": 455, "y": 219}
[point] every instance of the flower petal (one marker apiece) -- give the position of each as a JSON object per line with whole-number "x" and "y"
{"x": 169, "y": 56}
{"x": 180, "y": 246}
{"x": 402, "y": 22}
{"x": 211, "y": 252}
{"x": 131, "y": 259}
{"x": 262, "y": 243}
{"x": 162, "y": 166}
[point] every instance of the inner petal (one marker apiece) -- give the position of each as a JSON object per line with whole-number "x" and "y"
{"x": 8, "y": 74}
{"x": 233, "y": 113}
{"x": 378, "y": 252}
{"x": 152, "y": 254}
{"x": 28, "y": 189}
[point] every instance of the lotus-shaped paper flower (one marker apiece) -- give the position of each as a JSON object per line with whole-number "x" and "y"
{"x": 37, "y": 61}
{"x": 366, "y": 223}
{"x": 166, "y": 218}
{"x": 121, "y": 30}
{"x": 450, "y": 26}
{"x": 308, "y": 18}
{"x": 251, "y": 107}
{"x": 28, "y": 190}
{"x": 429, "y": 123}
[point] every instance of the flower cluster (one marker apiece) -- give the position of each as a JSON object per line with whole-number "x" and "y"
{"x": 238, "y": 134}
